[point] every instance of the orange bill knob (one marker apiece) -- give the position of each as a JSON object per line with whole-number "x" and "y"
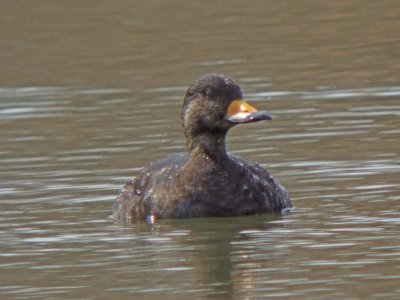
{"x": 239, "y": 111}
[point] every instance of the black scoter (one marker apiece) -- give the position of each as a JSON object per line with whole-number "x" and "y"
{"x": 207, "y": 181}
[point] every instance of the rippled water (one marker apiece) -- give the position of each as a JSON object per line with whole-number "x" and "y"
{"x": 78, "y": 119}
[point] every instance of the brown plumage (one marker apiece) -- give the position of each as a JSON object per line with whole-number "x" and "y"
{"x": 206, "y": 181}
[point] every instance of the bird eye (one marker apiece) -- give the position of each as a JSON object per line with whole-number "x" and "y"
{"x": 207, "y": 92}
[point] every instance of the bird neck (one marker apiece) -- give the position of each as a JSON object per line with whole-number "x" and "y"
{"x": 208, "y": 144}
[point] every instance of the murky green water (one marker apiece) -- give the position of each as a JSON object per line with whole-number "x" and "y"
{"x": 90, "y": 92}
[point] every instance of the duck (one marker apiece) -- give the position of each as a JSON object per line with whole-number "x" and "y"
{"x": 205, "y": 181}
